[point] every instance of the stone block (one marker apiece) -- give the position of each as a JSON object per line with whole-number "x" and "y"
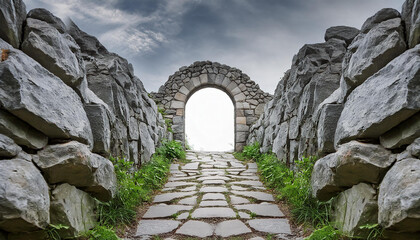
{"x": 403, "y": 134}
{"x": 8, "y": 148}
{"x": 25, "y": 200}
{"x": 12, "y": 16}
{"x": 411, "y": 16}
{"x": 383, "y": 101}
{"x": 101, "y": 128}
{"x": 327, "y": 124}
{"x": 399, "y": 197}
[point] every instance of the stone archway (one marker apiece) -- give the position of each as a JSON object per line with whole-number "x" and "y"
{"x": 248, "y": 99}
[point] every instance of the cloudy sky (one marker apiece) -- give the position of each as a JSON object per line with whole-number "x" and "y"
{"x": 259, "y": 37}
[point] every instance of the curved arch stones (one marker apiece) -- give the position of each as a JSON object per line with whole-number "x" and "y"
{"x": 248, "y": 99}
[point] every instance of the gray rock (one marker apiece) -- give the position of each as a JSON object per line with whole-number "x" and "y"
{"x": 8, "y": 148}
{"x": 257, "y": 195}
{"x": 354, "y": 162}
{"x": 213, "y": 204}
{"x": 275, "y": 226}
{"x": 36, "y": 96}
{"x": 155, "y": 227}
{"x": 263, "y": 209}
{"x": 213, "y": 196}
{"x": 101, "y": 129}
{"x": 410, "y": 15}
{"x": 179, "y": 184}
{"x": 25, "y": 200}
{"x": 73, "y": 163}
{"x": 403, "y": 134}
{"x": 381, "y": 16}
{"x": 196, "y": 229}
{"x": 55, "y": 51}
{"x": 327, "y": 124}
{"x": 399, "y": 197}
{"x": 354, "y": 208}
{"x": 371, "y": 52}
{"x": 214, "y": 182}
{"x": 188, "y": 201}
{"x": 147, "y": 143}
{"x": 161, "y": 211}
{"x": 21, "y": 132}
{"x": 44, "y": 15}
{"x": 391, "y": 90}
{"x": 167, "y": 197}
{"x": 231, "y": 228}
{"x": 414, "y": 148}
{"x": 88, "y": 44}
{"x": 213, "y": 212}
{"x": 248, "y": 183}
{"x": 341, "y": 32}
{"x": 73, "y": 208}
{"x": 213, "y": 189}
{"x": 12, "y": 16}
{"x": 238, "y": 200}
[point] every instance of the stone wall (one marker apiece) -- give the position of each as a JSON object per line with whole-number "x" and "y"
{"x": 66, "y": 105}
{"x": 354, "y": 101}
{"x": 247, "y": 97}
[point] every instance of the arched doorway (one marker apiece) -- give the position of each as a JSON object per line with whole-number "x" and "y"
{"x": 209, "y": 121}
{"x": 248, "y": 99}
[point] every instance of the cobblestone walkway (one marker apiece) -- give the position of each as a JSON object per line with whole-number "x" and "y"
{"x": 213, "y": 196}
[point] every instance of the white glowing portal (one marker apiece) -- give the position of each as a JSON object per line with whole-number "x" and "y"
{"x": 209, "y": 121}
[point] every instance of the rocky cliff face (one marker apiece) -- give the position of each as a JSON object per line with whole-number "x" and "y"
{"x": 354, "y": 101}
{"x": 66, "y": 105}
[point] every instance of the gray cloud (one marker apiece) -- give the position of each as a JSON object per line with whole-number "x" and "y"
{"x": 258, "y": 37}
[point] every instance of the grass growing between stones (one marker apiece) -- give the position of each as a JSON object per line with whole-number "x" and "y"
{"x": 135, "y": 186}
{"x": 293, "y": 186}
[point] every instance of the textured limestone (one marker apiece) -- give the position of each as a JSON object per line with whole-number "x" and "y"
{"x": 264, "y": 210}
{"x": 12, "y": 16}
{"x": 25, "y": 200}
{"x": 213, "y": 212}
{"x": 8, "y": 148}
{"x": 231, "y": 228}
{"x": 161, "y": 211}
{"x": 275, "y": 226}
{"x": 196, "y": 229}
{"x": 154, "y": 227}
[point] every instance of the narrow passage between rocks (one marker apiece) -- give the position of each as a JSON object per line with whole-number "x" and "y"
{"x": 213, "y": 196}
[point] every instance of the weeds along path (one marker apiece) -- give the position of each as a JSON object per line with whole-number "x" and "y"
{"x": 213, "y": 196}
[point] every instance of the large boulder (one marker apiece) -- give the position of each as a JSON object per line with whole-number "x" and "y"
{"x": 101, "y": 128}
{"x": 411, "y": 16}
{"x": 383, "y": 101}
{"x": 73, "y": 208}
{"x": 403, "y": 134}
{"x": 353, "y": 163}
{"x": 341, "y": 32}
{"x": 399, "y": 197}
{"x": 12, "y": 16}
{"x": 73, "y": 163}
{"x": 46, "y": 16}
{"x": 24, "y": 197}
{"x": 38, "y": 97}
{"x": 21, "y": 132}
{"x": 55, "y": 51}
{"x": 354, "y": 208}
{"x": 414, "y": 148}
{"x": 88, "y": 44}
{"x": 371, "y": 51}
{"x": 381, "y": 16}
{"x": 327, "y": 123}
{"x": 8, "y": 148}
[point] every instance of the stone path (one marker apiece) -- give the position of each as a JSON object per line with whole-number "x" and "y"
{"x": 213, "y": 196}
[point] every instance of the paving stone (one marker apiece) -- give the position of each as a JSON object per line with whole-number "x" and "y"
{"x": 175, "y": 179}
{"x": 183, "y": 216}
{"x": 231, "y": 228}
{"x": 174, "y": 166}
{"x": 179, "y": 184}
{"x": 213, "y": 204}
{"x": 238, "y": 200}
{"x": 188, "y": 201}
{"x": 249, "y": 183}
{"x": 190, "y": 166}
{"x": 167, "y": 189}
{"x": 257, "y": 195}
{"x": 264, "y": 210}
{"x": 237, "y": 165}
{"x": 238, "y": 188}
{"x": 196, "y": 229}
{"x": 160, "y": 211}
{"x": 166, "y": 197}
{"x": 213, "y": 196}
{"x": 188, "y": 189}
{"x": 213, "y": 182}
{"x": 213, "y": 212}
{"x": 154, "y": 227}
{"x": 253, "y": 177}
{"x": 206, "y": 166}
{"x": 213, "y": 189}
{"x": 251, "y": 170}
{"x": 256, "y": 238}
{"x": 252, "y": 166}
{"x": 270, "y": 225}
{"x": 213, "y": 178}
{"x": 244, "y": 215}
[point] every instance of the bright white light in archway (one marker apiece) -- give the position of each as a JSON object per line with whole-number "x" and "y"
{"x": 209, "y": 121}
